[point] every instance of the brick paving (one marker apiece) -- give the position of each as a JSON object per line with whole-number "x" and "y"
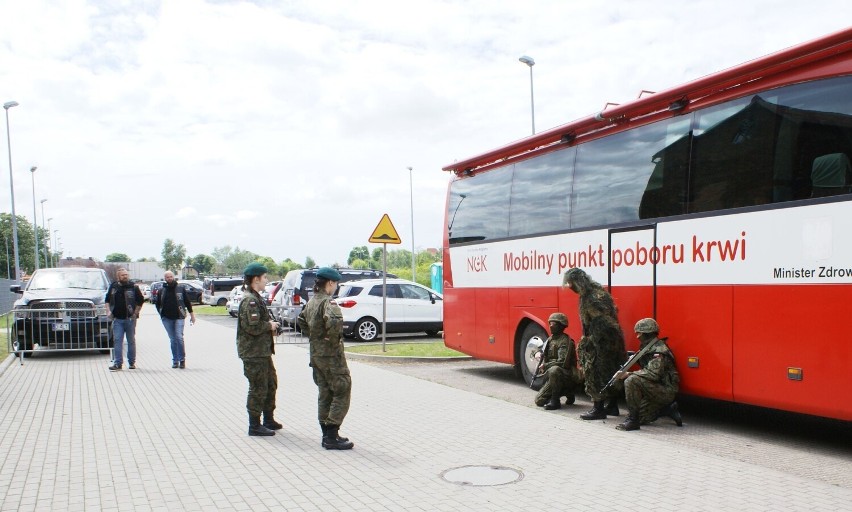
{"x": 78, "y": 437}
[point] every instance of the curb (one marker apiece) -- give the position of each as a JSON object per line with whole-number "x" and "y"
{"x": 404, "y": 359}
{"x": 7, "y": 363}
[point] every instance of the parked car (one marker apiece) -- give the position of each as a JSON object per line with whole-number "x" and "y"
{"x": 271, "y": 291}
{"x": 217, "y": 289}
{"x": 146, "y": 290}
{"x": 234, "y": 299}
{"x": 297, "y": 288}
{"x": 411, "y": 307}
{"x": 62, "y": 308}
{"x": 193, "y": 291}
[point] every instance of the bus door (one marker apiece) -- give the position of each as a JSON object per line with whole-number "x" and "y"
{"x": 632, "y": 276}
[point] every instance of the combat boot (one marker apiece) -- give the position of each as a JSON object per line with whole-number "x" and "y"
{"x": 672, "y": 412}
{"x": 256, "y": 429}
{"x": 569, "y": 398}
{"x": 325, "y": 433}
{"x": 331, "y": 441}
{"x": 554, "y": 403}
{"x": 596, "y": 413}
{"x": 632, "y": 421}
{"x": 269, "y": 421}
{"x": 611, "y": 407}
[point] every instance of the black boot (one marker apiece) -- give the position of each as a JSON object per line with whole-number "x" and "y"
{"x": 597, "y": 413}
{"x": 632, "y": 421}
{"x": 331, "y": 441}
{"x": 554, "y": 403}
{"x": 269, "y": 421}
{"x": 611, "y": 407}
{"x": 672, "y": 412}
{"x": 569, "y": 398}
{"x": 325, "y": 433}
{"x": 256, "y": 429}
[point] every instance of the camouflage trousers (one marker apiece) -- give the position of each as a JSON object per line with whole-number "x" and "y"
{"x": 331, "y": 375}
{"x": 646, "y": 397}
{"x": 597, "y": 369}
{"x": 558, "y": 382}
{"x": 263, "y": 384}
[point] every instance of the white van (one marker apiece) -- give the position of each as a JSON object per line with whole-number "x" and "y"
{"x": 217, "y": 289}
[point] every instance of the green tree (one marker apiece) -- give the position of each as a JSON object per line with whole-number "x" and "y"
{"x": 359, "y": 264}
{"x": 358, "y": 253}
{"x": 26, "y": 245}
{"x": 203, "y": 263}
{"x": 117, "y": 257}
{"x": 237, "y": 260}
{"x": 173, "y": 255}
{"x": 148, "y": 258}
{"x": 310, "y": 263}
{"x": 288, "y": 265}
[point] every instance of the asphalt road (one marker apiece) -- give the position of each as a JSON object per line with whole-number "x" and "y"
{"x": 810, "y": 447}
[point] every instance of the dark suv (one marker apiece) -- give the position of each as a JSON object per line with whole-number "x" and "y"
{"x": 193, "y": 291}
{"x": 62, "y": 308}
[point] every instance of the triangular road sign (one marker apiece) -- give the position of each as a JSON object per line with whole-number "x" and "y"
{"x": 385, "y": 233}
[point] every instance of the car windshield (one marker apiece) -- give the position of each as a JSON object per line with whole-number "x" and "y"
{"x": 50, "y": 279}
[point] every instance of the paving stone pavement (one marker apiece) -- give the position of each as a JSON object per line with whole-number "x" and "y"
{"x": 78, "y": 437}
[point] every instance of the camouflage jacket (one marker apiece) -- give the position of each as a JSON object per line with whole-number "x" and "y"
{"x": 322, "y": 321}
{"x": 658, "y": 365}
{"x": 560, "y": 352}
{"x": 254, "y": 336}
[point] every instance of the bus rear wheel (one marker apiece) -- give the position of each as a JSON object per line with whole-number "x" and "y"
{"x": 532, "y": 339}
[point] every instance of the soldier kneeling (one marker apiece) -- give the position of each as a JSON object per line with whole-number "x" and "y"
{"x": 651, "y": 391}
{"x": 558, "y": 365}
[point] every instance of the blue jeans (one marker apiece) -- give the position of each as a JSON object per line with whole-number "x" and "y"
{"x": 122, "y": 327}
{"x": 174, "y": 328}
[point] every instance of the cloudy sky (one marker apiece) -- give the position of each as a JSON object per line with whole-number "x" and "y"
{"x": 287, "y": 127}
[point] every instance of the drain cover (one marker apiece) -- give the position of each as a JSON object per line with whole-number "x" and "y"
{"x": 482, "y": 475}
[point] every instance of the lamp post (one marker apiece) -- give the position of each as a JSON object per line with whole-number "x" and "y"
{"x": 529, "y": 61}
{"x": 56, "y": 247}
{"x": 35, "y": 218}
{"x": 7, "y": 106}
{"x": 411, "y": 189}
{"x": 44, "y": 243}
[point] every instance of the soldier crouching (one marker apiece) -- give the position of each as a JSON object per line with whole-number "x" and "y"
{"x": 558, "y": 365}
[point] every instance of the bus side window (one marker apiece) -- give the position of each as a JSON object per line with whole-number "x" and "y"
{"x": 829, "y": 175}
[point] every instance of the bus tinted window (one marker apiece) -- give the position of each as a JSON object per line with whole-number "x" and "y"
{"x": 479, "y": 206}
{"x": 541, "y": 194}
{"x": 613, "y": 174}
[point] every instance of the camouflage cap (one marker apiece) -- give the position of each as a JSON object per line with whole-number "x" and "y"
{"x": 255, "y": 269}
{"x": 646, "y": 326}
{"x": 558, "y": 317}
{"x": 329, "y": 273}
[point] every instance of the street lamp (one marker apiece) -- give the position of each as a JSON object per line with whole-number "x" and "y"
{"x": 35, "y": 218}
{"x": 7, "y": 106}
{"x": 44, "y": 243}
{"x": 530, "y": 62}
{"x": 56, "y": 239}
{"x": 411, "y": 189}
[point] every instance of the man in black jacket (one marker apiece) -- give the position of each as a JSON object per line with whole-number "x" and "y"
{"x": 125, "y": 301}
{"x": 173, "y": 303}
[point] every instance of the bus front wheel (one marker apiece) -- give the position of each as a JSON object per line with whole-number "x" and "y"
{"x": 532, "y": 340}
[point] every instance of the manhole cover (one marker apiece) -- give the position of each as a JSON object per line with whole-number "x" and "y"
{"x": 482, "y": 475}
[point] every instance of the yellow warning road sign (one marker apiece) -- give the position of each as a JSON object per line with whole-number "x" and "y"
{"x": 385, "y": 233}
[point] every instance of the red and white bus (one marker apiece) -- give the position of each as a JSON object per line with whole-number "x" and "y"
{"x": 720, "y": 207}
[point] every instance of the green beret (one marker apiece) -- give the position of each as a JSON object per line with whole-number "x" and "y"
{"x": 255, "y": 269}
{"x": 329, "y": 273}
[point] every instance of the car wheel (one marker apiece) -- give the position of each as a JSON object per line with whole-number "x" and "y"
{"x": 232, "y": 314}
{"x": 532, "y": 340}
{"x": 222, "y": 301}
{"x": 366, "y": 329}
{"x": 431, "y": 334}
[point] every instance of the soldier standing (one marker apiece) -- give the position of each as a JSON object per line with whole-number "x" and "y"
{"x": 651, "y": 390}
{"x": 322, "y": 320}
{"x": 559, "y": 367}
{"x": 255, "y": 347}
{"x": 601, "y": 349}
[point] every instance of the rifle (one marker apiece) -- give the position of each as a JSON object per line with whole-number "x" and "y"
{"x": 539, "y": 370}
{"x": 630, "y": 362}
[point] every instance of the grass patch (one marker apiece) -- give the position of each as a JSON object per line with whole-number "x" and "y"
{"x": 435, "y": 349}
{"x": 4, "y": 335}
{"x": 210, "y": 310}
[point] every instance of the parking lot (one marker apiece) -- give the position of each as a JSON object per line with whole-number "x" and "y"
{"x": 78, "y": 437}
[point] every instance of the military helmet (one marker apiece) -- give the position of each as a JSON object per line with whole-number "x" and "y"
{"x": 329, "y": 273}
{"x": 255, "y": 269}
{"x": 558, "y": 317}
{"x": 646, "y": 326}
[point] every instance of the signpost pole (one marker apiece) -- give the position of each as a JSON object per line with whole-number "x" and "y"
{"x": 384, "y": 293}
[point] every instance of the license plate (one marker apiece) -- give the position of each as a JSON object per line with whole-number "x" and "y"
{"x": 61, "y": 326}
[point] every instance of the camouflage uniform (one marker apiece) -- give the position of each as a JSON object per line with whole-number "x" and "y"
{"x": 560, "y": 369}
{"x": 322, "y": 321}
{"x": 654, "y": 387}
{"x": 255, "y": 347}
{"x": 601, "y": 349}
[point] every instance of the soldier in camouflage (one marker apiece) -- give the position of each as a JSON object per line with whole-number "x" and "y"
{"x": 601, "y": 349}
{"x": 255, "y": 347}
{"x": 651, "y": 390}
{"x": 321, "y": 320}
{"x": 560, "y": 366}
